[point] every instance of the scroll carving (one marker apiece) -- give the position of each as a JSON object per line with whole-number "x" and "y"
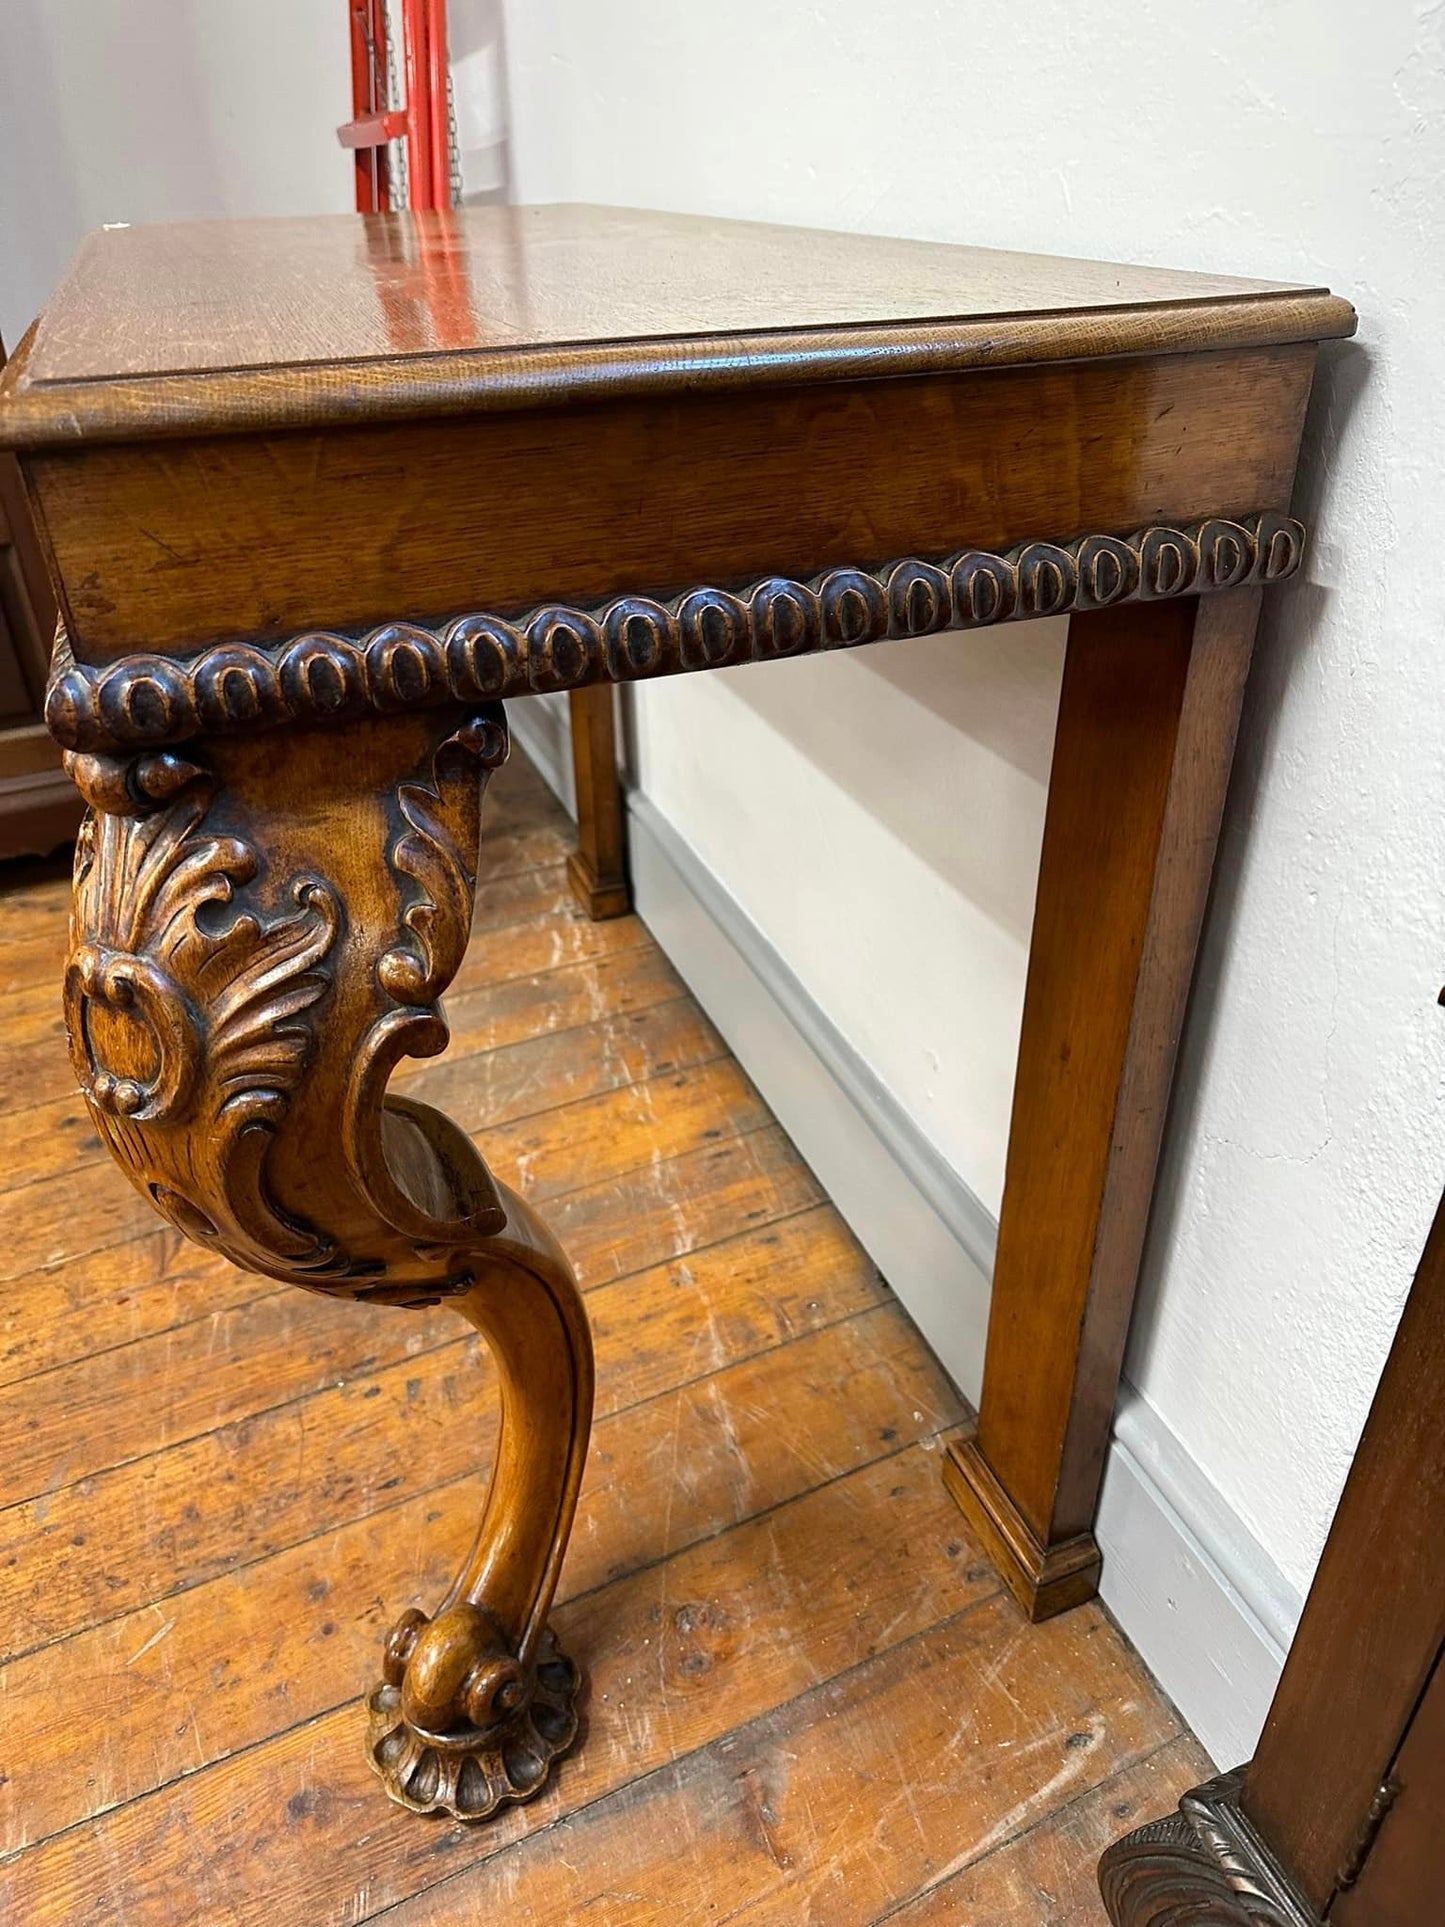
{"x": 434, "y": 851}
{"x": 146, "y": 701}
{"x": 190, "y": 1017}
{"x": 1204, "y": 1866}
{"x": 244, "y": 975}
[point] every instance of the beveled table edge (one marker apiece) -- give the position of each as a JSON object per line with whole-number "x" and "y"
{"x": 38, "y": 414}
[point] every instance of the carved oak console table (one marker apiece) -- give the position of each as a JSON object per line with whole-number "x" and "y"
{"x": 319, "y": 495}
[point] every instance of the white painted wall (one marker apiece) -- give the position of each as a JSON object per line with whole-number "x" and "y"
{"x": 856, "y": 803}
{"x": 877, "y": 817}
{"x": 160, "y": 110}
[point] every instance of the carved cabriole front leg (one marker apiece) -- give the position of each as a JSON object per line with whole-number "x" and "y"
{"x": 263, "y": 927}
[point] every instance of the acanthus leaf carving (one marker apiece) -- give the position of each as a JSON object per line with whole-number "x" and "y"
{"x": 437, "y": 852}
{"x": 189, "y": 1016}
{"x": 433, "y": 854}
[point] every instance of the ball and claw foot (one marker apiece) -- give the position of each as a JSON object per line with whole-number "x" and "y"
{"x": 458, "y": 1724}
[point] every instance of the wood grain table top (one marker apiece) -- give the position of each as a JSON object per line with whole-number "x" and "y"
{"x": 236, "y": 325}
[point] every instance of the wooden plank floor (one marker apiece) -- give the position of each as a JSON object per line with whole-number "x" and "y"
{"x": 810, "y": 1700}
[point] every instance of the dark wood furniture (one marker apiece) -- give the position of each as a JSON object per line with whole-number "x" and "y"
{"x": 39, "y": 808}
{"x": 1340, "y": 1818}
{"x": 597, "y": 868}
{"x": 610, "y": 446}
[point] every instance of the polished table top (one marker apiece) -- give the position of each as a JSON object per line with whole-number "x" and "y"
{"x": 190, "y": 325}
{"x": 251, "y": 429}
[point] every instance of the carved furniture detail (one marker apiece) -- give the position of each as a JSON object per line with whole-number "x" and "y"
{"x": 243, "y": 978}
{"x": 623, "y": 446}
{"x": 1336, "y": 1822}
{"x": 146, "y": 699}
{"x": 39, "y": 809}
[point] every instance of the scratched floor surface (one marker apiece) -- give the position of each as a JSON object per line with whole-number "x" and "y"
{"x": 809, "y": 1700}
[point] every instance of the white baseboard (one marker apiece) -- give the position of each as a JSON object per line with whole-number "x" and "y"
{"x": 1209, "y": 1611}
{"x": 921, "y": 1225}
{"x": 541, "y": 729}
{"x": 1199, "y": 1597}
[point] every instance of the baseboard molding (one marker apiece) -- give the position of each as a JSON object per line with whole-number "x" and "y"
{"x": 541, "y": 729}
{"x": 1208, "y": 1609}
{"x": 924, "y": 1229}
{"x": 1199, "y": 1597}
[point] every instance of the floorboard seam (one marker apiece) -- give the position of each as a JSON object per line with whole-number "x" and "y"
{"x": 444, "y": 1485}
{"x": 769, "y": 1122}
{"x": 592, "y": 1592}
{"x": 99, "y": 1158}
{"x": 276, "y": 1291}
{"x": 401, "y": 1358}
{"x": 603, "y": 1284}
{"x": 1126, "y": 1765}
{"x": 692, "y": 1753}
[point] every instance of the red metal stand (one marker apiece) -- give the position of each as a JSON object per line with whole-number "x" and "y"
{"x": 423, "y": 122}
